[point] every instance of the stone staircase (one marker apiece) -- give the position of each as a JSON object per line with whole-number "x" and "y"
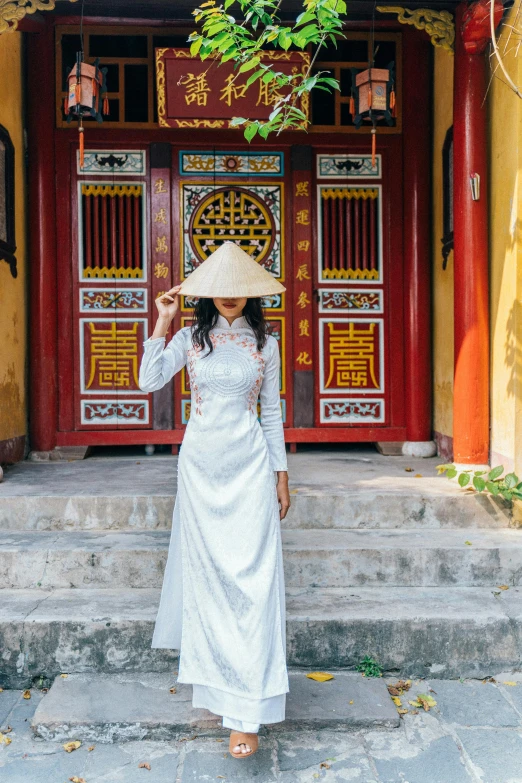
{"x": 377, "y": 562}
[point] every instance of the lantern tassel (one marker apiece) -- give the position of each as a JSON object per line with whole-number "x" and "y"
{"x": 82, "y": 146}
{"x": 78, "y": 93}
{"x": 393, "y": 104}
{"x": 370, "y": 98}
{"x": 374, "y": 146}
{"x": 105, "y": 105}
{"x": 66, "y": 104}
{"x": 352, "y": 106}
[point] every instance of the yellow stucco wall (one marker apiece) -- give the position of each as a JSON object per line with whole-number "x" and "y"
{"x": 442, "y": 279}
{"x": 505, "y": 139}
{"x": 13, "y": 291}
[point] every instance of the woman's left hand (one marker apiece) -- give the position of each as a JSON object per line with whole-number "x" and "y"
{"x": 283, "y": 494}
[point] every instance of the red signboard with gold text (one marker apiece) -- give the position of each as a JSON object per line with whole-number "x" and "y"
{"x": 196, "y": 94}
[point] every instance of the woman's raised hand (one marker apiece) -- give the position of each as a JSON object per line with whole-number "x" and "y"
{"x": 168, "y": 304}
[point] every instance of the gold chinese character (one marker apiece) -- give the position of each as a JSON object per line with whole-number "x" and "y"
{"x": 351, "y": 351}
{"x": 301, "y": 217}
{"x": 161, "y": 270}
{"x": 232, "y": 91}
{"x": 304, "y": 327}
{"x": 114, "y": 355}
{"x": 159, "y": 186}
{"x": 160, "y": 293}
{"x": 161, "y": 245}
{"x": 303, "y": 244}
{"x": 302, "y": 272}
{"x": 161, "y": 216}
{"x": 268, "y": 94}
{"x": 196, "y": 88}
{"x": 303, "y": 358}
{"x": 302, "y": 300}
{"x": 301, "y": 188}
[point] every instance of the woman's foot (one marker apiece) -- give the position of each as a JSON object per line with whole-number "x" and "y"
{"x": 242, "y": 744}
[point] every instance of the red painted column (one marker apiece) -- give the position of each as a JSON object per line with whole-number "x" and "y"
{"x": 43, "y": 396}
{"x": 416, "y": 100}
{"x": 471, "y": 384}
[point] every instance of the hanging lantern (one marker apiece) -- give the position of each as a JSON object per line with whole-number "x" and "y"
{"x": 373, "y": 98}
{"x": 86, "y": 95}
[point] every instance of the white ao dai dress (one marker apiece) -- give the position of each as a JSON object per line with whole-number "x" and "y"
{"x": 223, "y": 597}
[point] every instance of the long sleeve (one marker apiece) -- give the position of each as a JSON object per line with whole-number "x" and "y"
{"x": 271, "y": 418}
{"x": 160, "y": 364}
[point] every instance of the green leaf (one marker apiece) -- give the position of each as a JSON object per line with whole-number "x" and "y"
{"x": 510, "y": 480}
{"x": 516, "y": 494}
{"x": 332, "y": 82}
{"x": 228, "y": 3}
{"x": 253, "y": 78}
{"x": 464, "y": 479}
{"x": 492, "y": 487}
{"x": 479, "y": 483}
{"x": 285, "y": 40}
{"x": 235, "y": 121}
{"x": 447, "y": 466}
{"x": 480, "y": 472}
{"x": 250, "y": 131}
{"x": 506, "y": 494}
{"x": 196, "y": 46}
{"x": 452, "y": 472}
{"x": 305, "y": 17}
{"x": 249, "y": 65}
{"x": 495, "y": 472}
{"x": 264, "y": 130}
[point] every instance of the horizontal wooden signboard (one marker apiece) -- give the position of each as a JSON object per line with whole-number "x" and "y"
{"x": 196, "y": 94}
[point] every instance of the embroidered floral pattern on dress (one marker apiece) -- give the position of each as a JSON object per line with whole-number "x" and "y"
{"x": 250, "y": 343}
{"x": 192, "y": 355}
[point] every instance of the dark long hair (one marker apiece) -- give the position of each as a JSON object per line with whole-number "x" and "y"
{"x": 206, "y": 315}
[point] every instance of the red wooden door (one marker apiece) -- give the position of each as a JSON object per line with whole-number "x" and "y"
{"x": 359, "y": 378}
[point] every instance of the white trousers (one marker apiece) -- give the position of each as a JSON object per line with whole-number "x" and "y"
{"x": 239, "y": 713}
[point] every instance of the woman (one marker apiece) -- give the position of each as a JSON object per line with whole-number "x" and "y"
{"x": 222, "y": 602}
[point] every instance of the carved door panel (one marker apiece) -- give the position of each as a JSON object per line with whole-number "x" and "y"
{"x": 111, "y": 282}
{"x": 238, "y": 196}
{"x": 358, "y": 277}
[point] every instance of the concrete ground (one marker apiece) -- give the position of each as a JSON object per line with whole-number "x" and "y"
{"x": 472, "y": 735}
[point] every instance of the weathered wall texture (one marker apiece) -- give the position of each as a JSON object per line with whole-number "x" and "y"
{"x": 442, "y": 279}
{"x": 13, "y": 302}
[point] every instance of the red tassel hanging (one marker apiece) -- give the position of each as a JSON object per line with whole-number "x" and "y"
{"x": 370, "y": 98}
{"x": 352, "y": 106}
{"x": 106, "y": 105}
{"x": 78, "y": 92}
{"x": 82, "y": 146}
{"x": 393, "y": 104}
{"x": 66, "y": 104}
{"x": 374, "y": 146}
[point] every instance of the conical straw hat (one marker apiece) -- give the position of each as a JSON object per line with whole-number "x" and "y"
{"x": 229, "y": 271}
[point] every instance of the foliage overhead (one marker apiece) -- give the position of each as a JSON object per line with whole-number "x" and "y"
{"x": 223, "y": 38}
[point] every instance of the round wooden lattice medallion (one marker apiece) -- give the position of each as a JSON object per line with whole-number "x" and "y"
{"x": 234, "y": 214}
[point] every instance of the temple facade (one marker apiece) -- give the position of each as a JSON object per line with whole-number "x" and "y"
{"x": 400, "y": 323}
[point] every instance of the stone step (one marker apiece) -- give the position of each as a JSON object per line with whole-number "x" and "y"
{"x": 116, "y": 708}
{"x": 426, "y": 503}
{"x": 315, "y": 558}
{"x": 440, "y": 632}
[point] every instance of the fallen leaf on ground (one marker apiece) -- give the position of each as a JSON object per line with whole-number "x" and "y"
{"x": 503, "y": 587}
{"x": 220, "y": 740}
{"x": 320, "y": 676}
{"x": 418, "y": 475}
{"x": 144, "y": 765}
{"x": 402, "y": 711}
{"x": 414, "y": 712}
{"x": 424, "y": 701}
{"x": 91, "y": 748}
{"x": 27, "y": 694}
{"x": 324, "y": 765}
{"x": 5, "y": 740}
{"x": 398, "y": 688}
{"x": 468, "y": 543}
{"x": 172, "y": 690}
{"x": 77, "y": 780}
{"x": 1, "y": 690}
{"x": 510, "y": 682}
{"x": 294, "y": 491}
{"x": 7, "y": 730}
{"x": 188, "y": 739}
{"x": 64, "y": 676}
{"x": 70, "y": 746}
{"x": 408, "y": 470}
{"x": 396, "y": 701}
{"x": 350, "y": 702}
